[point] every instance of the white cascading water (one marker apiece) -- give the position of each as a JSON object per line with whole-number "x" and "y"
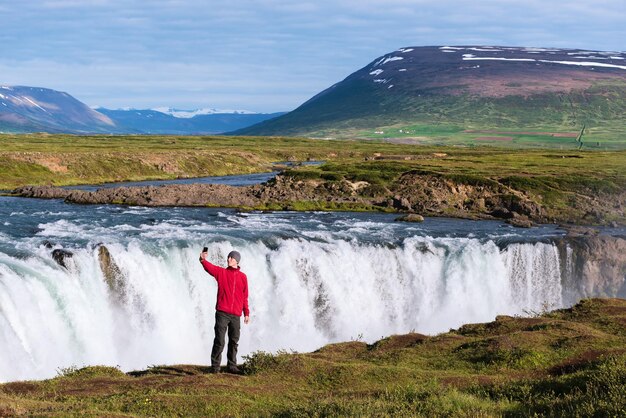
{"x": 303, "y": 294}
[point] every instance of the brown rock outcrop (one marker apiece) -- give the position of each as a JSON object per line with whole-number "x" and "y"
{"x": 432, "y": 194}
{"x": 112, "y": 275}
{"x": 593, "y": 265}
{"x": 413, "y": 192}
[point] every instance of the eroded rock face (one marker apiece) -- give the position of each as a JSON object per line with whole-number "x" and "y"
{"x": 431, "y": 194}
{"x": 593, "y": 266}
{"x": 414, "y": 192}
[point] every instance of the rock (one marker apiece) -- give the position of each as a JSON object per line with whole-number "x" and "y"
{"x": 593, "y": 266}
{"x": 520, "y": 222}
{"x": 60, "y": 256}
{"x": 112, "y": 274}
{"x": 477, "y": 205}
{"x": 410, "y": 217}
{"x": 502, "y": 213}
{"x": 401, "y": 203}
{"x": 42, "y": 192}
{"x": 580, "y": 231}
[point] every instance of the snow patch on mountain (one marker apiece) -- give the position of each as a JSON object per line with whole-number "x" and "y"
{"x": 32, "y": 102}
{"x": 580, "y": 63}
{"x": 384, "y": 60}
{"x": 498, "y": 59}
{"x": 485, "y": 49}
{"x": 187, "y": 114}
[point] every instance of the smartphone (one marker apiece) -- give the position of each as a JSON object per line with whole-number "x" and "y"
{"x": 205, "y": 249}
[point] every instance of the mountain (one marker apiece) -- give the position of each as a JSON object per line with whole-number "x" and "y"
{"x": 471, "y": 86}
{"x": 181, "y": 113}
{"x": 35, "y": 109}
{"x": 183, "y": 122}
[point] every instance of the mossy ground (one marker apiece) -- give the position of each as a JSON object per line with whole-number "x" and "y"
{"x": 569, "y": 362}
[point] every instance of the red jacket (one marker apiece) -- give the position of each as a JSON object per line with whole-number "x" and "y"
{"x": 232, "y": 289}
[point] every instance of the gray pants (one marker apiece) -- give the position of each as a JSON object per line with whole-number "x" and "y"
{"x": 223, "y": 322}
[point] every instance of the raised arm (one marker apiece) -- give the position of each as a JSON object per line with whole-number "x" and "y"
{"x": 212, "y": 269}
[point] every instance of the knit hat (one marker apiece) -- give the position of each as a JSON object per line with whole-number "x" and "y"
{"x": 235, "y": 255}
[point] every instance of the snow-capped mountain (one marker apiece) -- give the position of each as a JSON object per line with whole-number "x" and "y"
{"x": 467, "y": 86}
{"x": 187, "y": 114}
{"x": 34, "y": 109}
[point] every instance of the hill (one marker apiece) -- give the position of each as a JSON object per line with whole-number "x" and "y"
{"x": 569, "y": 362}
{"x": 430, "y": 91}
{"x": 35, "y": 109}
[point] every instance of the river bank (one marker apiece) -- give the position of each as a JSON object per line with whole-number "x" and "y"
{"x": 569, "y": 362}
{"x": 522, "y": 186}
{"x": 425, "y": 194}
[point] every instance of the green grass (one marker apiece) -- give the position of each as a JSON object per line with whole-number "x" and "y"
{"x": 356, "y": 108}
{"x": 569, "y": 362}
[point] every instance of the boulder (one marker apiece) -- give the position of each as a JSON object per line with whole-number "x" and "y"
{"x": 520, "y": 222}
{"x": 112, "y": 274}
{"x": 410, "y": 217}
{"x": 60, "y": 256}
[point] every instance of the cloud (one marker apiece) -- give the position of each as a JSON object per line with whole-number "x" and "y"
{"x": 272, "y": 54}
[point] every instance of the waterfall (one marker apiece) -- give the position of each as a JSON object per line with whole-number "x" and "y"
{"x": 304, "y": 293}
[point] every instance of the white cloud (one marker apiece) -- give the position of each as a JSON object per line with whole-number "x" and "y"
{"x": 263, "y": 50}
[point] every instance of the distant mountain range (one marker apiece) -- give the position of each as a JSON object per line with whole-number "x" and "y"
{"x": 149, "y": 121}
{"x": 469, "y": 86}
{"x": 34, "y": 109}
{"x": 472, "y": 87}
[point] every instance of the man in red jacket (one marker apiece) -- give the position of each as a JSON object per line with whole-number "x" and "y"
{"x": 232, "y": 300}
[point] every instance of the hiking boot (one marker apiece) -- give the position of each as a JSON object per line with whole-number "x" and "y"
{"x": 233, "y": 369}
{"x": 214, "y": 369}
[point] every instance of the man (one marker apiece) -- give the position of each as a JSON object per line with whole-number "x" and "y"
{"x": 232, "y": 300}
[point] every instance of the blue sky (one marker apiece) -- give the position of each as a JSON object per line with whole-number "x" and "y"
{"x": 262, "y": 55}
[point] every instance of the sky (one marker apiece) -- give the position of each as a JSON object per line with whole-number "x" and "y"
{"x": 262, "y": 55}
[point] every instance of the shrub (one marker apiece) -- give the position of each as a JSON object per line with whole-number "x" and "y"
{"x": 262, "y": 360}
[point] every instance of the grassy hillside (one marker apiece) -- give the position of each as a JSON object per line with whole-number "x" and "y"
{"x": 570, "y": 362}
{"x": 507, "y": 89}
{"x": 444, "y": 120}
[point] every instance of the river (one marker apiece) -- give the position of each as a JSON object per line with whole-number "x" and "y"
{"x": 314, "y": 278}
